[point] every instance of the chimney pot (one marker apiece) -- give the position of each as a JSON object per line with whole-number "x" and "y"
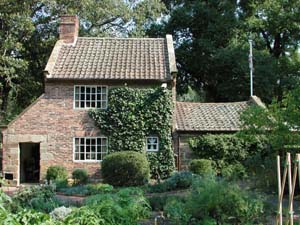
{"x": 69, "y": 28}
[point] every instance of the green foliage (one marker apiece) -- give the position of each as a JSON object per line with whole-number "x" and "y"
{"x": 226, "y": 149}
{"x": 126, "y": 168}
{"x": 89, "y": 189}
{"x": 80, "y": 176}
{"x": 180, "y": 180}
{"x": 218, "y": 202}
{"x": 40, "y": 198}
{"x": 79, "y": 190}
{"x": 234, "y": 172}
{"x": 99, "y": 188}
{"x": 129, "y": 119}
{"x": 203, "y": 167}
{"x": 158, "y": 202}
{"x": 279, "y": 122}
{"x": 56, "y": 173}
{"x": 124, "y": 207}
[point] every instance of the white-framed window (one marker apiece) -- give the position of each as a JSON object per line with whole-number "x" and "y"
{"x": 90, "y": 96}
{"x": 152, "y": 144}
{"x": 89, "y": 149}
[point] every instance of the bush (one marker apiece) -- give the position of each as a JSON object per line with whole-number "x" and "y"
{"x": 234, "y": 172}
{"x": 226, "y": 149}
{"x": 216, "y": 202}
{"x": 56, "y": 173}
{"x": 202, "y": 167}
{"x": 126, "y": 168}
{"x": 80, "y": 176}
{"x": 125, "y": 207}
{"x": 179, "y": 180}
{"x": 99, "y": 188}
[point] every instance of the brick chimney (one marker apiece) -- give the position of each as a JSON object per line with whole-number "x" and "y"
{"x": 68, "y": 28}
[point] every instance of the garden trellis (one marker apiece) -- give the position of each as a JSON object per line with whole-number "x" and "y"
{"x": 291, "y": 179}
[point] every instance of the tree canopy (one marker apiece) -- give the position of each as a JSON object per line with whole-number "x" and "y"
{"x": 211, "y": 43}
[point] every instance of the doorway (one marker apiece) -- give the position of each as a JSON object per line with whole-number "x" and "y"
{"x": 29, "y": 162}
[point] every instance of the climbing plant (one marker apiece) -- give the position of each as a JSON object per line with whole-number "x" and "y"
{"x": 132, "y": 115}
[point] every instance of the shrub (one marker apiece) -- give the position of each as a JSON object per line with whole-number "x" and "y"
{"x": 234, "y": 172}
{"x": 226, "y": 149}
{"x": 202, "y": 167}
{"x": 179, "y": 180}
{"x": 80, "y": 176}
{"x": 60, "y": 213}
{"x": 126, "y": 168}
{"x": 216, "y": 202}
{"x": 99, "y": 188}
{"x": 125, "y": 207}
{"x": 76, "y": 190}
{"x": 40, "y": 198}
{"x": 56, "y": 173}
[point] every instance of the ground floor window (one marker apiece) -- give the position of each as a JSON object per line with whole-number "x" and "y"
{"x": 152, "y": 144}
{"x": 90, "y": 148}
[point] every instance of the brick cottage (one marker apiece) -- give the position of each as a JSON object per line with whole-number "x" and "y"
{"x": 56, "y": 128}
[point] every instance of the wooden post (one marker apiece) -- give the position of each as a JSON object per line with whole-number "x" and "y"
{"x": 290, "y": 216}
{"x": 282, "y": 189}
{"x": 279, "y": 216}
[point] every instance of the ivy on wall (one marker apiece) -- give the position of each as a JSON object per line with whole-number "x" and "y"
{"x": 131, "y": 116}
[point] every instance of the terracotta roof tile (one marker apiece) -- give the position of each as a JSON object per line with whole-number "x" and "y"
{"x": 209, "y": 116}
{"x": 113, "y": 58}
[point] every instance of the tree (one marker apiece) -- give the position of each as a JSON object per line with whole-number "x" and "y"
{"x": 276, "y": 25}
{"x": 15, "y": 28}
{"x": 212, "y": 46}
{"x": 28, "y": 32}
{"x": 279, "y": 122}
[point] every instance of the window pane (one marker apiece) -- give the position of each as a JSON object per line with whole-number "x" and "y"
{"x": 82, "y": 141}
{"x": 93, "y": 156}
{"x": 82, "y": 156}
{"x": 82, "y": 104}
{"x": 76, "y": 156}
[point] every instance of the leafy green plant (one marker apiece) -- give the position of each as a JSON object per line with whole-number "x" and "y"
{"x": 234, "y": 172}
{"x": 40, "y": 198}
{"x": 99, "y": 188}
{"x": 226, "y": 149}
{"x": 203, "y": 167}
{"x": 124, "y": 207}
{"x": 125, "y": 169}
{"x": 56, "y": 173}
{"x": 130, "y": 118}
{"x": 180, "y": 180}
{"x": 80, "y": 190}
{"x": 60, "y": 213}
{"x": 80, "y": 176}
{"x": 216, "y": 202}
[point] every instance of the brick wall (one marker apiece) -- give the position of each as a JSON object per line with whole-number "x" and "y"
{"x": 52, "y": 122}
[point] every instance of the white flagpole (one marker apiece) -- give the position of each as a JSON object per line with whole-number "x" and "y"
{"x": 251, "y": 68}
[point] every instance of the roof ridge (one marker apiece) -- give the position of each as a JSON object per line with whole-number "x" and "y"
{"x": 120, "y": 38}
{"x": 212, "y": 103}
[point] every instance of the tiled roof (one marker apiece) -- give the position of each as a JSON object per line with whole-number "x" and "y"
{"x": 111, "y": 58}
{"x": 208, "y": 117}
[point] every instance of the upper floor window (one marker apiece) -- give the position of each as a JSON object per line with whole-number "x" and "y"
{"x": 90, "y": 148}
{"x": 86, "y": 97}
{"x": 152, "y": 144}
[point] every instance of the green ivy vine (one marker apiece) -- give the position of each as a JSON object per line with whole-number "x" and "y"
{"x": 131, "y": 116}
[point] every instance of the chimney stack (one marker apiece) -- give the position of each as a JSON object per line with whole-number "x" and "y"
{"x": 68, "y": 28}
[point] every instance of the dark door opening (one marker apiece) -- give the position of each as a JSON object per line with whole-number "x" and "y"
{"x": 29, "y": 162}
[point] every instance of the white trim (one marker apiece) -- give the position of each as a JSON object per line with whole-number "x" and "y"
{"x": 89, "y": 160}
{"x": 96, "y": 93}
{"x": 146, "y": 147}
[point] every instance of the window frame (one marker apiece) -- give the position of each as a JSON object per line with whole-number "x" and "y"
{"x": 90, "y": 86}
{"x": 146, "y": 147}
{"x": 89, "y": 160}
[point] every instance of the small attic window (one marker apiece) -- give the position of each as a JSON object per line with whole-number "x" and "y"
{"x": 87, "y": 97}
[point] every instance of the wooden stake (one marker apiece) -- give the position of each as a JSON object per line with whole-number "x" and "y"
{"x": 282, "y": 188}
{"x": 291, "y": 201}
{"x": 279, "y": 216}
{"x": 290, "y": 216}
